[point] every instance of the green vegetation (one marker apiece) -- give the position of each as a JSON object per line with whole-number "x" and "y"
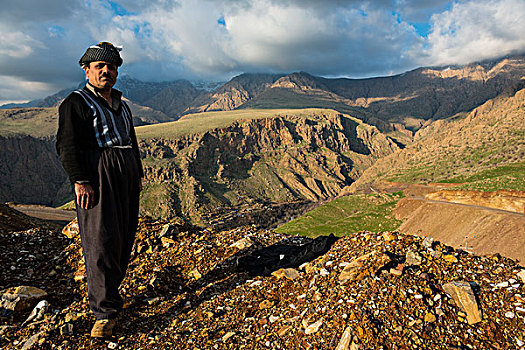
{"x": 68, "y": 206}
{"x": 155, "y": 199}
{"x": 201, "y": 122}
{"x": 346, "y": 215}
{"x": 505, "y": 177}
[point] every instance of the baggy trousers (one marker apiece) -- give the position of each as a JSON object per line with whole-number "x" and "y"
{"x": 108, "y": 229}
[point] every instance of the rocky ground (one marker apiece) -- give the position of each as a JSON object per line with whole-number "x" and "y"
{"x": 187, "y": 288}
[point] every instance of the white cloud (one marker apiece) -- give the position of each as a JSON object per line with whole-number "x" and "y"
{"x": 168, "y": 39}
{"x": 475, "y": 30}
{"x": 16, "y": 44}
{"x": 15, "y": 89}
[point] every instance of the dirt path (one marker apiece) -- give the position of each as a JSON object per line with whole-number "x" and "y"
{"x": 495, "y": 210}
{"x": 46, "y": 213}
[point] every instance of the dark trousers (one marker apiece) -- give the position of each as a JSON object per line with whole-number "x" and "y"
{"x": 108, "y": 229}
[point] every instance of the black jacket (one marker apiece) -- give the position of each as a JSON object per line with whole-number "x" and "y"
{"x": 76, "y": 136}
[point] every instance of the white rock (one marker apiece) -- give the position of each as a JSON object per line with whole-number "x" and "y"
{"x": 346, "y": 338}
{"x": 509, "y": 314}
{"x": 228, "y": 336}
{"x": 521, "y": 275}
{"x": 314, "y": 327}
{"x": 324, "y": 272}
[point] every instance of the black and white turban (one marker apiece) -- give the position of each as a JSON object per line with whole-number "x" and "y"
{"x": 103, "y": 51}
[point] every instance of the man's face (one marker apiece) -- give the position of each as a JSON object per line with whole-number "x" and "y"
{"x": 102, "y": 75}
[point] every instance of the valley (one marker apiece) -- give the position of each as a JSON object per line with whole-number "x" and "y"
{"x": 390, "y": 212}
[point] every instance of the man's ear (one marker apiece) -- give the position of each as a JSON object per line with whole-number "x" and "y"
{"x": 86, "y": 69}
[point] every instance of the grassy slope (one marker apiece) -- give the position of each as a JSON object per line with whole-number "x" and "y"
{"x": 202, "y": 122}
{"x": 505, "y": 177}
{"x": 36, "y": 122}
{"x": 484, "y": 149}
{"x": 346, "y": 215}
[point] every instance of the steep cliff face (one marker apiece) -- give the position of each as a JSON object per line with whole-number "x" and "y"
{"x": 280, "y": 159}
{"x": 30, "y": 172}
{"x": 233, "y": 94}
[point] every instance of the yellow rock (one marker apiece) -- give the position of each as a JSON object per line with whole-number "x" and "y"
{"x": 314, "y": 327}
{"x": 463, "y": 295}
{"x": 450, "y": 258}
{"x": 283, "y": 331}
{"x": 290, "y": 274}
{"x": 429, "y": 317}
{"x": 195, "y": 274}
{"x": 266, "y": 304}
{"x": 71, "y": 230}
{"x": 388, "y": 236}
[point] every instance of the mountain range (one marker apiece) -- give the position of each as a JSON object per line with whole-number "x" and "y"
{"x": 390, "y": 103}
{"x": 273, "y": 138}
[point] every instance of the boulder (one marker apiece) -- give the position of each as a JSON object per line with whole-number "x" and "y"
{"x": 18, "y": 299}
{"x": 71, "y": 230}
{"x": 464, "y": 297}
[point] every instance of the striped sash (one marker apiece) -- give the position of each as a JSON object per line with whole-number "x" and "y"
{"x": 105, "y": 122}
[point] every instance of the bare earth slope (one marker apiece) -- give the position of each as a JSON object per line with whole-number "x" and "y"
{"x": 483, "y": 230}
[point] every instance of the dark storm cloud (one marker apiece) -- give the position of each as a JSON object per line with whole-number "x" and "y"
{"x": 41, "y": 41}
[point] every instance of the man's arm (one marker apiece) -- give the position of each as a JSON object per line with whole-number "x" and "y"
{"x": 70, "y": 153}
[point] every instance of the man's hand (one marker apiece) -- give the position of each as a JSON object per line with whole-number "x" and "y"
{"x": 85, "y": 195}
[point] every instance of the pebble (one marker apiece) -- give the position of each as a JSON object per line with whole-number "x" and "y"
{"x": 429, "y": 317}
{"x": 413, "y": 259}
{"x": 509, "y": 314}
{"x": 289, "y": 273}
{"x": 450, "y": 258}
{"x": 324, "y": 272}
{"x": 314, "y": 327}
{"x": 521, "y": 275}
{"x": 346, "y": 338}
{"x": 284, "y": 330}
{"x": 266, "y": 304}
{"x": 502, "y": 285}
{"x": 228, "y": 336}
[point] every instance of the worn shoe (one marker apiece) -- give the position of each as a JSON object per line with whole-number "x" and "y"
{"x": 103, "y": 328}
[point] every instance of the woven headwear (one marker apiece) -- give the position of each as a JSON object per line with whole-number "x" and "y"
{"x": 103, "y": 51}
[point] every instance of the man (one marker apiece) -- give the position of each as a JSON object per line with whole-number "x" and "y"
{"x": 98, "y": 148}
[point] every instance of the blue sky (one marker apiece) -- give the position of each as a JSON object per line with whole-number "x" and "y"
{"x": 41, "y": 41}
